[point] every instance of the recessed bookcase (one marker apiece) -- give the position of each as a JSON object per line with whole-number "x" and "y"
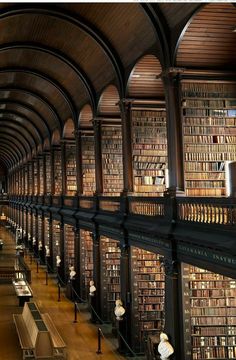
{"x": 30, "y": 185}
{"x": 48, "y": 170}
{"x": 69, "y": 238}
{"x": 209, "y": 128}
{"x": 47, "y": 235}
{"x": 29, "y": 226}
{"x": 86, "y": 263}
{"x": 149, "y": 139}
{"x": 148, "y": 294}
{"x": 25, "y": 221}
{"x": 57, "y": 172}
{"x": 26, "y": 179}
{"x": 40, "y": 229}
{"x": 41, "y": 176}
{"x": 110, "y": 276}
{"x": 34, "y": 229}
{"x": 209, "y": 314}
{"x": 88, "y": 164}
{"x": 71, "y": 183}
{"x": 56, "y": 241}
{"x": 112, "y": 160}
{"x": 35, "y": 167}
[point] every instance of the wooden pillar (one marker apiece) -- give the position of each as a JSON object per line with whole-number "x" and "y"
{"x": 96, "y": 299}
{"x": 52, "y": 172}
{"x": 126, "y": 116}
{"x": 174, "y": 130}
{"x": 44, "y": 174}
{"x": 50, "y": 258}
{"x": 61, "y": 270}
{"x": 77, "y": 262}
{"x": 98, "y": 156}
{"x": 78, "y": 156}
{"x": 173, "y": 308}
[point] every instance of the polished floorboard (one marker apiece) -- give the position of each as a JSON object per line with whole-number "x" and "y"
{"x": 80, "y": 337}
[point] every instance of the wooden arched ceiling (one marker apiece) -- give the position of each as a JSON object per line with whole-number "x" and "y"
{"x": 209, "y": 41}
{"x": 143, "y": 82}
{"x": 55, "y": 58}
{"x": 86, "y": 117}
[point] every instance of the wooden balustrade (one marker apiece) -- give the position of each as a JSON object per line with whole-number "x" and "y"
{"x": 109, "y": 204}
{"x": 147, "y": 206}
{"x": 86, "y": 202}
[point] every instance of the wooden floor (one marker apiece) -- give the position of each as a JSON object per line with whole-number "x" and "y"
{"x": 80, "y": 337}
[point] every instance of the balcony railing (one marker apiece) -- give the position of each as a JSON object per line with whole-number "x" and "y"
{"x": 147, "y": 206}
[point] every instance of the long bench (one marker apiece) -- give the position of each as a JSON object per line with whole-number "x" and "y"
{"x": 38, "y": 336}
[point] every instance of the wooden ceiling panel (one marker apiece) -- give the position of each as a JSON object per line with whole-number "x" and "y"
{"x": 60, "y": 34}
{"x": 176, "y": 13}
{"x": 108, "y": 103}
{"x": 125, "y": 25}
{"x": 143, "y": 82}
{"x": 86, "y": 116}
{"x": 38, "y": 85}
{"x": 46, "y": 64}
{"x": 209, "y": 40}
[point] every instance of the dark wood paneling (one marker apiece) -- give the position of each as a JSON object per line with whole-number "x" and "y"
{"x": 143, "y": 82}
{"x": 209, "y": 40}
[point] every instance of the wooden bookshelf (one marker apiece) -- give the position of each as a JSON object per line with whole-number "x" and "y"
{"x": 88, "y": 164}
{"x": 40, "y": 229}
{"x": 47, "y": 235}
{"x": 112, "y": 160}
{"x": 56, "y": 241}
{"x": 30, "y": 186}
{"x": 209, "y": 132}
{"x": 26, "y": 180}
{"x": 41, "y": 176}
{"x": 86, "y": 263}
{"x": 34, "y": 229}
{"x": 148, "y": 294}
{"x": 149, "y": 138}
{"x": 29, "y": 226}
{"x": 35, "y": 174}
{"x": 57, "y": 172}
{"x": 48, "y": 170}
{"x": 110, "y": 276}
{"x": 209, "y": 314}
{"x": 69, "y": 238}
{"x": 70, "y": 160}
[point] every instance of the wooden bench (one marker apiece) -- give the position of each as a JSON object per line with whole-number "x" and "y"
{"x": 38, "y": 336}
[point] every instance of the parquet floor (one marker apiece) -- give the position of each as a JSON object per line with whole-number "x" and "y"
{"x": 80, "y": 337}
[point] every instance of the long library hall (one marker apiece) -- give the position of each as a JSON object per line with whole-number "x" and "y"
{"x": 118, "y": 181}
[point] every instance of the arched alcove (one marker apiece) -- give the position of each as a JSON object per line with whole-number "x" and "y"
{"x": 56, "y": 137}
{"x": 108, "y": 102}
{"x": 69, "y": 130}
{"x": 85, "y": 117}
{"x": 143, "y": 82}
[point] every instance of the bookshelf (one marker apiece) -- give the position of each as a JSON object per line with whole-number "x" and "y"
{"x": 86, "y": 264}
{"x": 48, "y": 173}
{"x": 26, "y": 180}
{"x": 71, "y": 183}
{"x": 41, "y": 176}
{"x": 149, "y": 139}
{"x": 47, "y": 237}
{"x": 56, "y": 241}
{"x": 40, "y": 228}
{"x": 209, "y": 313}
{"x": 88, "y": 164}
{"x": 25, "y": 221}
{"x": 29, "y": 226}
{"x": 57, "y": 172}
{"x": 112, "y": 162}
{"x": 148, "y": 294}
{"x": 110, "y": 276}
{"x": 69, "y": 238}
{"x": 209, "y": 134}
{"x": 34, "y": 230}
{"x": 30, "y": 186}
{"x": 35, "y": 167}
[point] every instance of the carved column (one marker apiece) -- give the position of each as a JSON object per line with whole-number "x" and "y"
{"x": 98, "y": 156}
{"x": 171, "y": 81}
{"x": 173, "y": 308}
{"x": 126, "y": 116}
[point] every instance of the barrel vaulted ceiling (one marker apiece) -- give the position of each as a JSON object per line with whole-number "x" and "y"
{"x": 57, "y": 61}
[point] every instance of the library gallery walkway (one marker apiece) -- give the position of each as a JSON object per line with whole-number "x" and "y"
{"x": 80, "y": 337}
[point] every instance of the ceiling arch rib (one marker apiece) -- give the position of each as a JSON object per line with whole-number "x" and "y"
{"x": 21, "y": 119}
{"x": 20, "y": 139}
{"x": 59, "y": 87}
{"x": 9, "y": 121}
{"x": 29, "y": 144}
{"x": 13, "y": 143}
{"x": 9, "y": 156}
{"x": 78, "y": 22}
{"x": 36, "y": 102}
